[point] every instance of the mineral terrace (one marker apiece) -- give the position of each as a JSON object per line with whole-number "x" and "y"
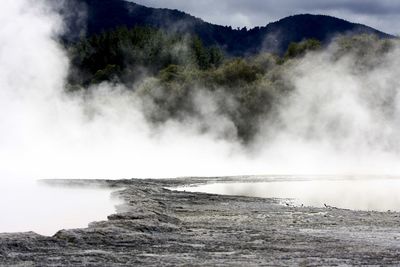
{"x": 161, "y": 227}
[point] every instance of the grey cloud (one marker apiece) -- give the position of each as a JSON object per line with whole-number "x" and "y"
{"x": 383, "y": 15}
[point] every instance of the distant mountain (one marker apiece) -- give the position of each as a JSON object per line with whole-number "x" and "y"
{"x": 103, "y": 15}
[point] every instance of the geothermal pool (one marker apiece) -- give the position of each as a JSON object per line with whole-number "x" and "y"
{"x": 374, "y": 194}
{"x": 44, "y": 209}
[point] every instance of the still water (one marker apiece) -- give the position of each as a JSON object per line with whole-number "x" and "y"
{"x": 44, "y": 209}
{"x": 357, "y": 194}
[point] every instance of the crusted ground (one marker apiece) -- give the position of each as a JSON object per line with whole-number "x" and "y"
{"x": 160, "y": 227}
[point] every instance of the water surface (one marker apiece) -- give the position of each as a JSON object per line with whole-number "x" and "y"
{"x": 32, "y": 206}
{"x": 356, "y": 193}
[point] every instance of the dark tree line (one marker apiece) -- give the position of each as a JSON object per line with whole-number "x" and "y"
{"x": 123, "y": 54}
{"x": 168, "y": 70}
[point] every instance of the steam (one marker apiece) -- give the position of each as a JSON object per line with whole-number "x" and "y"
{"x": 341, "y": 118}
{"x": 331, "y": 124}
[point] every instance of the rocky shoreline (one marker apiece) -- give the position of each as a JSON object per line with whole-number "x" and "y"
{"x": 159, "y": 227}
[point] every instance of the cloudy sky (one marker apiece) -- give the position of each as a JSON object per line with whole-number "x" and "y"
{"x": 381, "y": 14}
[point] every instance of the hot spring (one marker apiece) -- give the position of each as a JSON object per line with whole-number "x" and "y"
{"x": 44, "y": 209}
{"x": 356, "y": 193}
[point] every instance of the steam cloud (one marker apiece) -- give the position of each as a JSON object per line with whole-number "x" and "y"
{"x": 341, "y": 118}
{"x": 333, "y": 123}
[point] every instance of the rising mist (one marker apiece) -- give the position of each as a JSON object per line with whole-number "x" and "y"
{"x": 339, "y": 119}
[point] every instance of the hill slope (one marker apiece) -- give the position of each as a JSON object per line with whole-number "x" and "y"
{"x": 103, "y": 15}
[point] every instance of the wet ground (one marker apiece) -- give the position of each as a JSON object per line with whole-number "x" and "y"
{"x": 157, "y": 226}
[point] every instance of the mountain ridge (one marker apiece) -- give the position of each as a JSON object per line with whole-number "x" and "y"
{"x": 275, "y": 37}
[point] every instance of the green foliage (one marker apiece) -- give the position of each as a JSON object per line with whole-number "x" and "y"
{"x": 265, "y": 61}
{"x": 236, "y": 72}
{"x": 109, "y": 73}
{"x": 120, "y": 53}
{"x": 107, "y": 53}
{"x": 170, "y": 73}
{"x": 204, "y": 57}
{"x": 300, "y": 49}
{"x": 363, "y": 44}
{"x": 367, "y": 51}
{"x": 200, "y": 53}
{"x": 177, "y": 67}
{"x": 216, "y": 56}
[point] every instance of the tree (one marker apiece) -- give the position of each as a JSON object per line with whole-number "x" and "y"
{"x": 200, "y": 53}
{"x": 300, "y": 49}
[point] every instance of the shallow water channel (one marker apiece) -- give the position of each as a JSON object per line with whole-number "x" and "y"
{"x": 378, "y": 194}
{"x": 45, "y": 209}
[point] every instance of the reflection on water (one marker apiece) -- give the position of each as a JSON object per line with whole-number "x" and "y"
{"x": 30, "y": 206}
{"x": 357, "y": 194}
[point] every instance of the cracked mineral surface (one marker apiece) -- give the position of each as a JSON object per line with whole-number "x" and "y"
{"x": 157, "y": 226}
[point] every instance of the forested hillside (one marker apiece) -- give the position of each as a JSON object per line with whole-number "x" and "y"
{"x": 171, "y": 71}
{"x": 172, "y": 60}
{"x": 105, "y": 15}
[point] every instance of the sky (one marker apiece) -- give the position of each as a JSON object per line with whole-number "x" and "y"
{"x": 383, "y": 15}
